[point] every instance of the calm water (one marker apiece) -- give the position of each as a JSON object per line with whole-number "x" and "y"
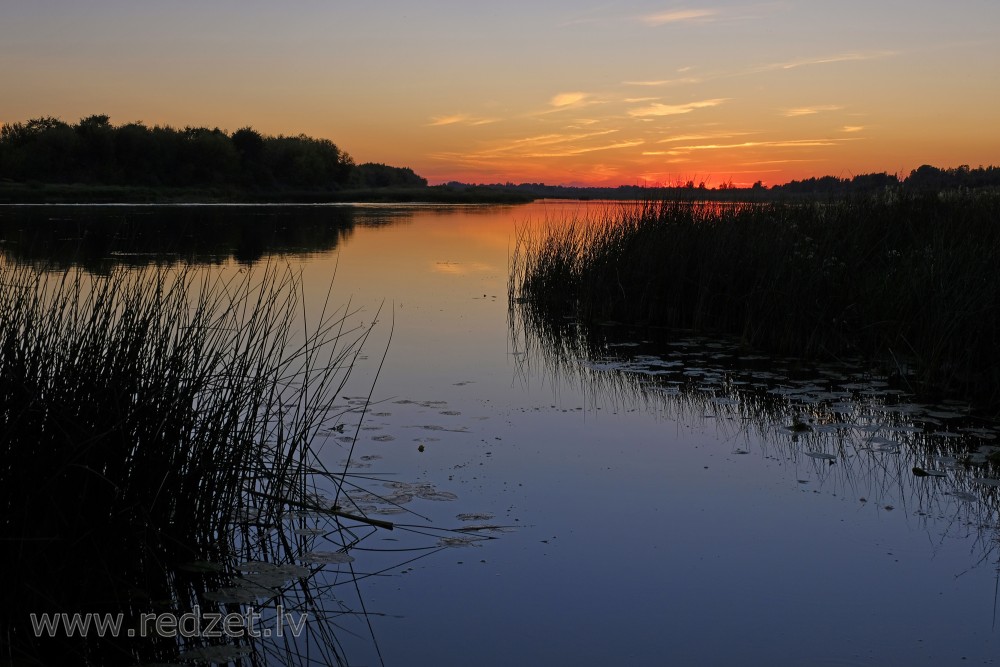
{"x": 658, "y": 503}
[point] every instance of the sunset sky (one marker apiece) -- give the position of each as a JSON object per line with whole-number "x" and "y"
{"x": 584, "y": 92}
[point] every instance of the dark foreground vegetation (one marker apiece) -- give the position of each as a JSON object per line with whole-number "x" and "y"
{"x": 156, "y": 437}
{"x": 910, "y": 281}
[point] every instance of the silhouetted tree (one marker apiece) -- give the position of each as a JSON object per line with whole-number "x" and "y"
{"x": 95, "y": 151}
{"x": 249, "y": 146}
{"x": 377, "y": 175}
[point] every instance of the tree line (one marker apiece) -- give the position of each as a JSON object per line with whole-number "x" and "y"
{"x": 922, "y": 178}
{"x": 96, "y": 152}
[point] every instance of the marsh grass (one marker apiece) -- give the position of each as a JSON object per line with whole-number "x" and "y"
{"x": 152, "y": 419}
{"x": 907, "y": 280}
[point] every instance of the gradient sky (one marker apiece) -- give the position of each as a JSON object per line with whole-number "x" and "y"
{"x": 554, "y": 91}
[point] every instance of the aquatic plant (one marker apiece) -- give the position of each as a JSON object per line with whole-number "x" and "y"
{"x": 151, "y": 421}
{"x": 907, "y": 280}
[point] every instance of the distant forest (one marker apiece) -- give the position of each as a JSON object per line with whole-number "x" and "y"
{"x": 924, "y": 178}
{"x": 95, "y": 152}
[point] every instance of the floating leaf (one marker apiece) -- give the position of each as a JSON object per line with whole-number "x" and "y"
{"x": 201, "y": 566}
{"x": 434, "y": 494}
{"x": 309, "y": 532}
{"x": 457, "y": 542}
{"x": 943, "y": 414}
{"x": 327, "y": 557}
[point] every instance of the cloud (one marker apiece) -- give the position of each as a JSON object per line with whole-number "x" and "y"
{"x": 823, "y": 60}
{"x": 459, "y": 119}
{"x": 658, "y": 109}
{"x": 567, "y": 99}
{"x": 852, "y": 128}
{"x": 540, "y": 146}
{"x": 788, "y": 143}
{"x": 587, "y": 149}
{"x": 809, "y": 111}
{"x": 549, "y": 139}
{"x": 757, "y": 163}
{"x": 678, "y": 15}
{"x": 663, "y": 82}
{"x": 700, "y": 137}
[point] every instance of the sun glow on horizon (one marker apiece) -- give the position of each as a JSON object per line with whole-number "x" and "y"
{"x": 609, "y": 95}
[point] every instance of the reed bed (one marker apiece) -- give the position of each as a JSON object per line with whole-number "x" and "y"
{"x": 150, "y": 419}
{"x": 906, "y": 280}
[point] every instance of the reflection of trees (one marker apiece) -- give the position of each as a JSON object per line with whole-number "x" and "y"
{"x": 841, "y": 428}
{"x": 98, "y": 237}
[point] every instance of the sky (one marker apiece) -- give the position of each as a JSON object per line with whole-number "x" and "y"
{"x": 575, "y": 93}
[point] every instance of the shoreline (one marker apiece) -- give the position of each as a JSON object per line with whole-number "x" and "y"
{"x": 47, "y": 194}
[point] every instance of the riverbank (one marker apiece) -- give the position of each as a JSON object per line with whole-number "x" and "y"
{"x": 908, "y": 281}
{"x": 48, "y": 193}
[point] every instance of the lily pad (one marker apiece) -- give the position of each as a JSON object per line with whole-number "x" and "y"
{"x": 327, "y": 557}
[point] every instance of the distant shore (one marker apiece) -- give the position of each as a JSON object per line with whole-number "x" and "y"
{"x": 49, "y": 193}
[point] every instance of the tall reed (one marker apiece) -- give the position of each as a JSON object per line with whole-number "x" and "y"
{"x": 907, "y": 279}
{"x": 144, "y": 415}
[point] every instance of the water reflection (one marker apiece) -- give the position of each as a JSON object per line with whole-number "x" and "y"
{"x": 157, "y": 444}
{"x": 839, "y": 428}
{"x": 100, "y": 237}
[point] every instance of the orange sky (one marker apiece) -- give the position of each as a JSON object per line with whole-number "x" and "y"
{"x": 560, "y": 92}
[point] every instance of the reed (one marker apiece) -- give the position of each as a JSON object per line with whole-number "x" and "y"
{"x": 150, "y": 419}
{"x": 908, "y": 280}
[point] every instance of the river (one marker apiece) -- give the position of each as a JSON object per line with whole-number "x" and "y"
{"x": 654, "y": 499}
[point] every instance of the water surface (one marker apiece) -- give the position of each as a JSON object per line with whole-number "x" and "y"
{"x": 664, "y": 498}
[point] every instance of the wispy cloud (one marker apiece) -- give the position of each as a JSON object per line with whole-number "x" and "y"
{"x": 459, "y": 119}
{"x": 852, "y": 128}
{"x": 809, "y": 111}
{"x": 789, "y": 143}
{"x": 580, "y": 150}
{"x": 555, "y": 145}
{"x": 567, "y": 99}
{"x": 663, "y": 82}
{"x": 823, "y": 60}
{"x": 550, "y": 139}
{"x": 678, "y": 16}
{"x": 757, "y": 163}
{"x": 659, "y": 109}
{"x": 561, "y": 102}
{"x": 701, "y": 137}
